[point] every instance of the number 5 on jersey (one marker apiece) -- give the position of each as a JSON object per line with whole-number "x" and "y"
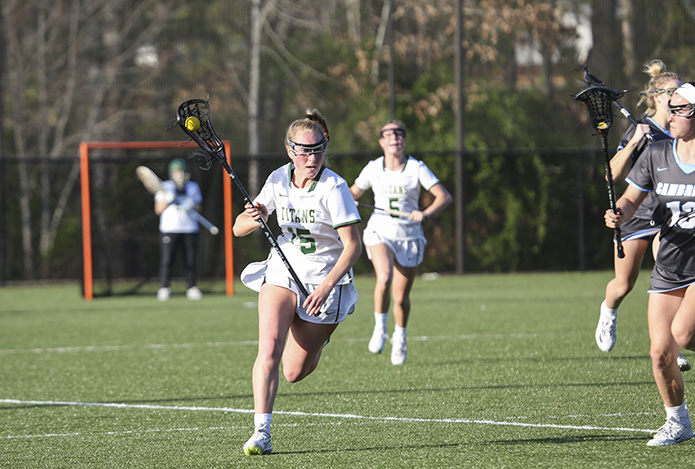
{"x": 307, "y": 244}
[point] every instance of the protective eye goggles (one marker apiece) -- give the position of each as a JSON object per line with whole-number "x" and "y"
{"x": 684, "y": 110}
{"x": 668, "y": 91}
{"x": 394, "y": 132}
{"x": 304, "y": 149}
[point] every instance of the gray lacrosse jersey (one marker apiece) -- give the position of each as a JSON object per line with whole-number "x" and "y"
{"x": 660, "y": 171}
{"x": 649, "y": 209}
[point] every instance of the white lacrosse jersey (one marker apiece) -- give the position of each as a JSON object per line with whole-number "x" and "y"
{"x": 309, "y": 218}
{"x": 174, "y": 219}
{"x": 399, "y": 190}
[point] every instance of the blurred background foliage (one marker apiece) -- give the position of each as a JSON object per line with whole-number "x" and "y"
{"x": 115, "y": 70}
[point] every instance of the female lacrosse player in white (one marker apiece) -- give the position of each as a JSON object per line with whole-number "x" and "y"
{"x": 318, "y": 218}
{"x": 396, "y": 245}
{"x": 667, "y": 169}
{"x": 646, "y": 223}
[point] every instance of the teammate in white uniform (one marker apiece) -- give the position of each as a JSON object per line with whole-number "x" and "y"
{"x": 318, "y": 218}
{"x": 174, "y": 205}
{"x": 668, "y": 170}
{"x": 396, "y": 245}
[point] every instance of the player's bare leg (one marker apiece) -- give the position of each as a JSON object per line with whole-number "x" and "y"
{"x": 276, "y": 311}
{"x": 382, "y": 261}
{"x": 626, "y": 272}
{"x": 402, "y": 284}
{"x": 304, "y": 346}
{"x": 663, "y": 308}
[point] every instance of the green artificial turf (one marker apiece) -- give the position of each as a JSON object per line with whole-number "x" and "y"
{"x": 502, "y": 371}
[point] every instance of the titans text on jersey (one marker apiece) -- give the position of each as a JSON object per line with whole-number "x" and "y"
{"x": 294, "y": 215}
{"x": 392, "y": 189}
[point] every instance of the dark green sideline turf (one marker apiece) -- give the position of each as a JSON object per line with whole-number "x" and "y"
{"x": 502, "y": 371}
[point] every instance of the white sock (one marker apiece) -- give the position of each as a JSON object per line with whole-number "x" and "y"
{"x": 380, "y": 320}
{"x": 608, "y": 311}
{"x": 399, "y": 331}
{"x": 678, "y": 413}
{"x": 261, "y": 422}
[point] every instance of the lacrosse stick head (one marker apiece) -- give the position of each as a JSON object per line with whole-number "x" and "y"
{"x": 202, "y": 133}
{"x": 149, "y": 179}
{"x": 598, "y": 100}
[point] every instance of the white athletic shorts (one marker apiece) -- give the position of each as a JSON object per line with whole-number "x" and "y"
{"x": 408, "y": 252}
{"x": 340, "y": 302}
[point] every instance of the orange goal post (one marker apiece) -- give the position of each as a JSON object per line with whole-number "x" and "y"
{"x": 226, "y": 229}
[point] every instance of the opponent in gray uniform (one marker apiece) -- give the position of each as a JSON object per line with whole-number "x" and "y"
{"x": 641, "y": 229}
{"x": 668, "y": 170}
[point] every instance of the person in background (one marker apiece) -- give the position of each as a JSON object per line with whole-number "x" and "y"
{"x": 178, "y": 228}
{"x": 318, "y": 219}
{"x": 667, "y": 169}
{"x": 646, "y": 222}
{"x": 396, "y": 245}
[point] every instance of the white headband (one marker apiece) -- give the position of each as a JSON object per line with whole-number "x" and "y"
{"x": 687, "y": 91}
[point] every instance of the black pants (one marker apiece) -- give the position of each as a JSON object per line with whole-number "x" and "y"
{"x": 170, "y": 243}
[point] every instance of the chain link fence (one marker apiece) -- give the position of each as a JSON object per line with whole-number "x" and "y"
{"x": 531, "y": 210}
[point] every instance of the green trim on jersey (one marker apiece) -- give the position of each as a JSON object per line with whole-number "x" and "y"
{"x": 290, "y": 170}
{"x": 347, "y": 224}
{"x": 383, "y": 164}
{"x": 316, "y": 181}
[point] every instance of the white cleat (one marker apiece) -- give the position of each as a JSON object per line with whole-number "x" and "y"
{"x": 399, "y": 351}
{"x": 194, "y": 294}
{"x": 259, "y": 443}
{"x": 605, "y": 331}
{"x": 379, "y": 338}
{"x": 683, "y": 364}
{"x": 163, "y": 293}
{"x": 672, "y": 433}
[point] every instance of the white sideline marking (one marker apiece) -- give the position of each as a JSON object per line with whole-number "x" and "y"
{"x": 118, "y": 348}
{"x": 338, "y": 416}
{"x": 149, "y": 430}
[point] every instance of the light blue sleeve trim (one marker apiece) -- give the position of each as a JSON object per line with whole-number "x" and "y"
{"x": 636, "y": 186}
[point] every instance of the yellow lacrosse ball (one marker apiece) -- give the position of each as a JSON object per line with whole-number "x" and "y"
{"x": 192, "y": 123}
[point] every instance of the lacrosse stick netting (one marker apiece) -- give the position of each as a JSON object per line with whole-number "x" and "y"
{"x": 206, "y": 138}
{"x": 598, "y": 100}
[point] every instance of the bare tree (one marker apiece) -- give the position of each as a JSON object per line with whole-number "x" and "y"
{"x": 628, "y": 40}
{"x": 64, "y": 91}
{"x": 258, "y": 18}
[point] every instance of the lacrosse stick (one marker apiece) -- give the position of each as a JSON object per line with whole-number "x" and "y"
{"x": 598, "y": 99}
{"x": 153, "y": 185}
{"x": 629, "y": 117}
{"x": 390, "y": 211}
{"x": 592, "y": 80}
{"x": 193, "y": 116}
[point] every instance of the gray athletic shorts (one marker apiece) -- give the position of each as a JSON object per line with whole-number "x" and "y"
{"x": 340, "y": 302}
{"x": 638, "y": 228}
{"x": 663, "y": 281}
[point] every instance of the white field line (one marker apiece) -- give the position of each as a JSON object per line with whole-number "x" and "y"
{"x": 151, "y": 430}
{"x": 324, "y": 415}
{"x": 243, "y": 343}
{"x": 118, "y": 348}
